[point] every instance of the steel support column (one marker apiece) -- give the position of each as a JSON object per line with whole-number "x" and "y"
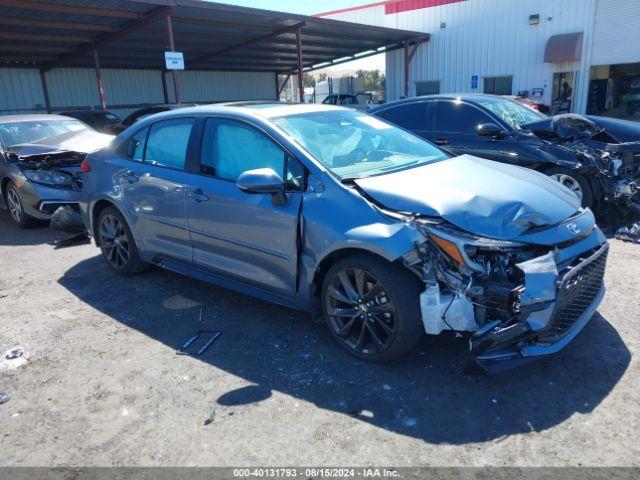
{"x": 165, "y": 89}
{"x": 96, "y": 61}
{"x": 410, "y": 49}
{"x": 172, "y": 47}
{"x": 300, "y": 65}
{"x": 45, "y": 90}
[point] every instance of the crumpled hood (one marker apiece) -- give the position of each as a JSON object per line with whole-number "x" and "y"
{"x": 81, "y": 141}
{"x": 480, "y": 196}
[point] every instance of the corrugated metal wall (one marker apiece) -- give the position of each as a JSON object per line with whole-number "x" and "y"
{"x": 21, "y": 89}
{"x": 616, "y": 35}
{"x": 224, "y": 86}
{"x": 488, "y": 38}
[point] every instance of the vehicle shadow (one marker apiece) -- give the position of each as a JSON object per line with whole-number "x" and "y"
{"x": 11, "y": 235}
{"x": 424, "y": 395}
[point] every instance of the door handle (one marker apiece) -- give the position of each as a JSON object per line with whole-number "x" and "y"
{"x": 198, "y": 196}
{"x": 130, "y": 176}
{"x": 441, "y": 141}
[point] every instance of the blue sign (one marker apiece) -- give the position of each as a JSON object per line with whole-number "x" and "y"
{"x": 474, "y": 81}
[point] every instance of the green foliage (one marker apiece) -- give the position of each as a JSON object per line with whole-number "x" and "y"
{"x": 373, "y": 79}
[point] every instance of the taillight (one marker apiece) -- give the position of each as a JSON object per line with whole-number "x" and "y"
{"x": 85, "y": 167}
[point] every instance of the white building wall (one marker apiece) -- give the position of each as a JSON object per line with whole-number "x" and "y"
{"x": 616, "y": 35}
{"x": 487, "y": 38}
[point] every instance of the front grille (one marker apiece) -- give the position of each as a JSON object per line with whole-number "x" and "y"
{"x": 578, "y": 290}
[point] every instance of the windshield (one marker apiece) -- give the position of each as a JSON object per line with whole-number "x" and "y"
{"x": 512, "y": 113}
{"x": 354, "y": 145}
{"x": 16, "y": 133}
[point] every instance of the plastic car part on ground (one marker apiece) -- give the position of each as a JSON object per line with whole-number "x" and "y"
{"x": 630, "y": 233}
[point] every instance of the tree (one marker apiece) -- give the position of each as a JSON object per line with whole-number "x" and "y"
{"x": 322, "y": 77}
{"x": 309, "y": 80}
{"x": 373, "y": 79}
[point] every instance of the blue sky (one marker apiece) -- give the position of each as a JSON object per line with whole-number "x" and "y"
{"x": 308, "y": 7}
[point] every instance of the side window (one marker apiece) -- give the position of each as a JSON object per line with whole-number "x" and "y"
{"x": 458, "y": 117}
{"x": 231, "y": 148}
{"x": 167, "y": 143}
{"x": 410, "y": 116}
{"x": 133, "y": 149}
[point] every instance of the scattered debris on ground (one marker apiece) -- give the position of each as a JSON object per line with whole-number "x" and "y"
{"x": 630, "y": 233}
{"x": 13, "y": 353}
{"x": 68, "y": 221}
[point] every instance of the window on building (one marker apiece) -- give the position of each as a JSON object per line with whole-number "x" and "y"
{"x": 428, "y": 88}
{"x": 458, "y": 117}
{"x": 498, "y": 85}
{"x": 167, "y": 143}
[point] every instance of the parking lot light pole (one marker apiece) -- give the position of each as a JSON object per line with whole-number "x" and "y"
{"x": 96, "y": 61}
{"x": 172, "y": 47}
{"x": 300, "y": 67}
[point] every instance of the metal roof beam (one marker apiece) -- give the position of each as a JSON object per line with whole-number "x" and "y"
{"x": 126, "y": 29}
{"x": 252, "y": 41}
{"x": 27, "y": 22}
{"x": 33, "y": 48}
{"x": 44, "y": 37}
{"x": 70, "y": 9}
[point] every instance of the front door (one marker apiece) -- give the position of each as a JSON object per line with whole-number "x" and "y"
{"x": 244, "y": 237}
{"x": 452, "y": 126}
{"x": 152, "y": 185}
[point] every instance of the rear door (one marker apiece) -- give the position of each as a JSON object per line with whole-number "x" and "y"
{"x": 152, "y": 187}
{"x": 242, "y": 236}
{"x": 411, "y": 116}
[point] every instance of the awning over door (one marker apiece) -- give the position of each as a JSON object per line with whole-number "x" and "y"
{"x": 564, "y": 48}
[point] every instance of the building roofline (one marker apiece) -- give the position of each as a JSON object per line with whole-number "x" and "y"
{"x": 351, "y": 9}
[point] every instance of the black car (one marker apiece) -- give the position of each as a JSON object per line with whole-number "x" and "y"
{"x": 588, "y": 155}
{"x": 100, "y": 120}
{"x": 141, "y": 113}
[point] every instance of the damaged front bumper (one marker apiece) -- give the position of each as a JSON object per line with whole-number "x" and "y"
{"x": 551, "y": 323}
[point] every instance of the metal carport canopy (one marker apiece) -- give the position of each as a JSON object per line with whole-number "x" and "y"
{"x": 131, "y": 34}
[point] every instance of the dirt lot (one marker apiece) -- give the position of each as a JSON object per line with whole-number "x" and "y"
{"x": 100, "y": 383}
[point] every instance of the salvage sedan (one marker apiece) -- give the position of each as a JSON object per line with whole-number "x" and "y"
{"x": 601, "y": 169}
{"x": 40, "y": 157}
{"x": 339, "y": 213}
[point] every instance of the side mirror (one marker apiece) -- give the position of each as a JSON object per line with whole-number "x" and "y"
{"x": 490, "y": 130}
{"x": 263, "y": 181}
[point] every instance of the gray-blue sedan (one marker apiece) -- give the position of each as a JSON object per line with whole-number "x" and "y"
{"x": 342, "y": 214}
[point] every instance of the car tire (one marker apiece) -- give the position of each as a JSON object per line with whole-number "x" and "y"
{"x": 573, "y": 180}
{"x": 376, "y": 317}
{"x": 16, "y": 208}
{"x": 117, "y": 243}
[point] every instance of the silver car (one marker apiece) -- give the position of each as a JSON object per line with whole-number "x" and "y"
{"x": 40, "y": 157}
{"x": 333, "y": 211}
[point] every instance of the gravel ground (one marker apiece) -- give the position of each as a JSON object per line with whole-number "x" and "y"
{"x": 100, "y": 383}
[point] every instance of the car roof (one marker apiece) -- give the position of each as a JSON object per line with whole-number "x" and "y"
{"x": 265, "y": 110}
{"x": 465, "y": 97}
{"x": 86, "y": 112}
{"x": 34, "y": 117}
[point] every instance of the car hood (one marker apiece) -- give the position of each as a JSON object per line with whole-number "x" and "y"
{"x": 480, "y": 196}
{"x": 81, "y": 141}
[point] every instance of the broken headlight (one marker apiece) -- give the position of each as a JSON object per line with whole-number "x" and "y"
{"x": 48, "y": 178}
{"x": 471, "y": 251}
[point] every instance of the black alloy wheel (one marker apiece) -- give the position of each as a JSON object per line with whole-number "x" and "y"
{"x": 372, "y": 307}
